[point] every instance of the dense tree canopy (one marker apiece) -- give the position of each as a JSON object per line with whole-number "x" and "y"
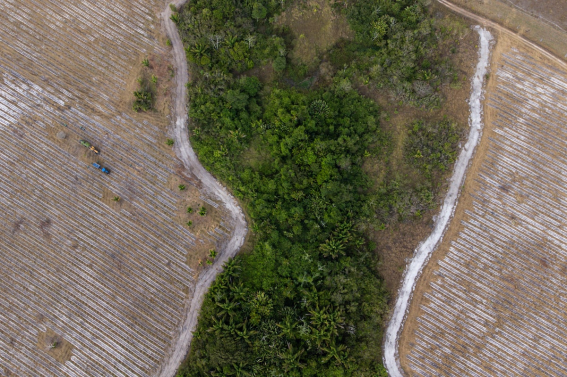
{"x": 306, "y": 301}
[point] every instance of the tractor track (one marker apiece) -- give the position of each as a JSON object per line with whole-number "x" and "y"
{"x": 210, "y": 185}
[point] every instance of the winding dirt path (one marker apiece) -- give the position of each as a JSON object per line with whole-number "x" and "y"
{"x": 213, "y": 189}
{"x": 424, "y": 250}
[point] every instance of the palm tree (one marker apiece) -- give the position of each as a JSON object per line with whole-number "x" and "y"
{"x": 245, "y": 334}
{"x": 199, "y": 50}
{"x": 215, "y": 40}
{"x": 230, "y": 41}
{"x": 291, "y": 359}
{"x": 239, "y": 370}
{"x": 288, "y": 328}
{"x": 227, "y": 307}
{"x": 231, "y": 267}
{"x": 217, "y": 326}
{"x": 251, "y": 40}
{"x": 340, "y": 354}
{"x": 318, "y": 336}
{"x": 231, "y": 327}
{"x": 332, "y": 248}
{"x": 239, "y": 292}
{"x": 175, "y": 18}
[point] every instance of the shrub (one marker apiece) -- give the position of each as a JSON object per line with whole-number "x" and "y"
{"x": 279, "y": 63}
{"x": 203, "y": 211}
{"x": 432, "y": 147}
{"x": 146, "y": 62}
{"x": 181, "y": 187}
{"x": 189, "y": 210}
{"x": 169, "y": 142}
{"x": 143, "y": 100}
{"x": 259, "y": 11}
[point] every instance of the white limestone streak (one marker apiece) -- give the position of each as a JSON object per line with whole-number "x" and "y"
{"x": 498, "y": 304}
{"x": 423, "y": 252}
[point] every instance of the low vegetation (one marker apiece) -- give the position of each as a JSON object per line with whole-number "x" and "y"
{"x": 306, "y": 301}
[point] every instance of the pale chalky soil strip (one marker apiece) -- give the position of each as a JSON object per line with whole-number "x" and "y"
{"x": 426, "y": 248}
{"x": 112, "y": 283}
{"x": 498, "y": 302}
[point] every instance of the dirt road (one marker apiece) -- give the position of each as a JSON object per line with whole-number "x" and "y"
{"x": 211, "y": 186}
{"x": 426, "y": 248}
{"x": 391, "y": 356}
{"x": 501, "y": 29}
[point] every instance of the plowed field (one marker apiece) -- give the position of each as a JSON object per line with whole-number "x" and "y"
{"x": 493, "y": 302}
{"x": 90, "y": 286}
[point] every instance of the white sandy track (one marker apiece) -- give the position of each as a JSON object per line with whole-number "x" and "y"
{"x": 211, "y": 186}
{"x": 425, "y": 249}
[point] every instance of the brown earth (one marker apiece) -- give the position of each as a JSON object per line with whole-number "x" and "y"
{"x": 506, "y": 44}
{"x": 543, "y": 22}
{"x": 316, "y": 28}
{"x": 55, "y": 346}
{"x": 112, "y": 279}
{"x": 397, "y": 243}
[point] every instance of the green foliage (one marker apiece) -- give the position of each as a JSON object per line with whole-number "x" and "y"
{"x": 399, "y": 42}
{"x": 169, "y": 142}
{"x": 168, "y": 42}
{"x": 189, "y": 210}
{"x": 279, "y": 63}
{"x": 259, "y": 11}
{"x": 146, "y": 62}
{"x": 173, "y": 8}
{"x": 181, "y": 187}
{"x": 116, "y": 198}
{"x": 303, "y": 196}
{"x": 174, "y": 17}
{"x": 144, "y": 100}
{"x": 432, "y": 147}
{"x": 189, "y": 223}
{"x": 306, "y": 301}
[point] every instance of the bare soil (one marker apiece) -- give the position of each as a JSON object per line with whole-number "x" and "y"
{"x": 112, "y": 279}
{"x": 55, "y": 346}
{"x": 544, "y": 22}
{"x": 511, "y": 291}
{"x": 316, "y": 28}
{"x": 397, "y": 242}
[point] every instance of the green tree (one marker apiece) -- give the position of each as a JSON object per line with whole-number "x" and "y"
{"x": 259, "y": 11}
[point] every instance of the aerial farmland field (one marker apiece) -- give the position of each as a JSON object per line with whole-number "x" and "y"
{"x": 96, "y": 270}
{"x": 492, "y": 300}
